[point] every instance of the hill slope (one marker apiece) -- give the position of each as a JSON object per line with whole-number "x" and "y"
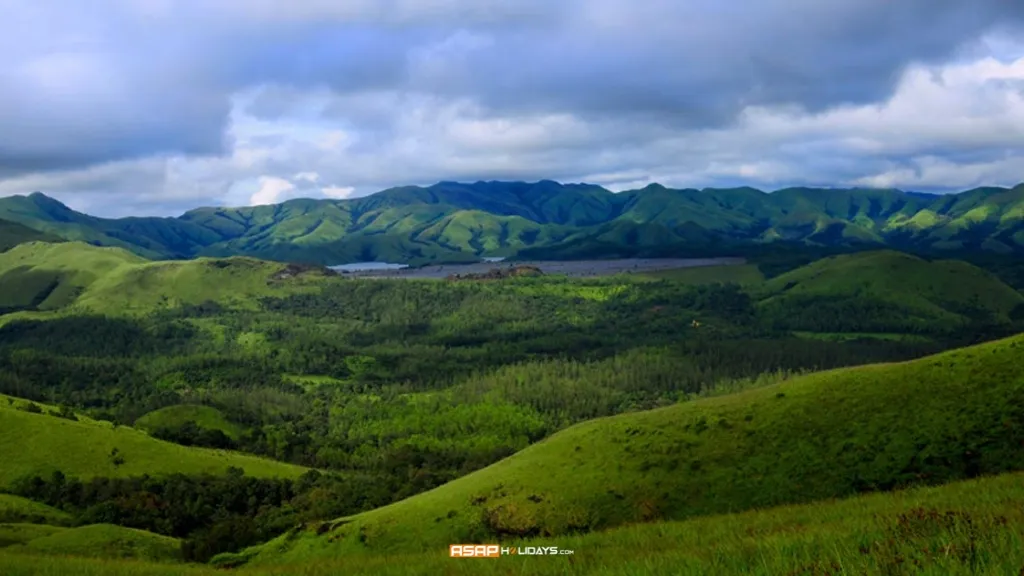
{"x": 831, "y": 434}
{"x": 13, "y": 233}
{"x": 14, "y": 509}
{"x": 888, "y": 291}
{"x": 452, "y": 221}
{"x": 38, "y": 444}
{"x": 105, "y": 541}
{"x": 963, "y": 528}
{"x": 39, "y": 276}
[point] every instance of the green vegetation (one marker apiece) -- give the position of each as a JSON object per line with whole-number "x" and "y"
{"x": 205, "y": 417}
{"x": 15, "y": 509}
{"x": 745, "y": 274}
{"x": 13, "y": 233}
{"x": 832, "y": 434}
{"x": 11, "y": 534}
{"x": 453, "y": 222}
{"x": 969, "y": 527}
{"x": 105, "y": 541}
{"x": 423, "y": 411}
{"x": 41, "y": 443}
{"x": 888, "y": 292}
{"x": 39, "y": 276}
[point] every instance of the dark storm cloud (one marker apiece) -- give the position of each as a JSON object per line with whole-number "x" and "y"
{"x": 85, "y": 84}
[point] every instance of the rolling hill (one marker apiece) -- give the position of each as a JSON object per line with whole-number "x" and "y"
{"x": 832, "y": 434}
{"x": 15, "y": 509}
{"x": 13, "y": 233}
{"x": 38, "y": 444}
{"x": 452, "y": 222}
{"x": 40, "y": 276}
{"x": 933, "y": 529}
{"x": 104, "y": 541}
{"x": 205, "y": 417}
{"x": 916, "y": 294}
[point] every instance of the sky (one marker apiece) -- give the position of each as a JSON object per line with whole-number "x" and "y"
{"x": 153, "y": 107}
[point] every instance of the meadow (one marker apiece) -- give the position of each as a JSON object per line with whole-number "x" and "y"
{"x": 312, "y": 421}
{"x": 969, "y": 527}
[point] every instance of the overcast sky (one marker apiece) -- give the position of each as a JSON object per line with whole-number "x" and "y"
{"x": 122, "y": 107}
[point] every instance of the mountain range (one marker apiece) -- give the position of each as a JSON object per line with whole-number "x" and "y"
{"x": 453, "y": 222}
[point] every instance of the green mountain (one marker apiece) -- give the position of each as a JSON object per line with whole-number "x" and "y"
{"x": 827, "y": 435}
{"x": 451, "y": 222}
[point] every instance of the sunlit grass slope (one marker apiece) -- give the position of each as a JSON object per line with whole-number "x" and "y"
{"x": 826, "y": 435}
{"x": 42, "y": 276}
{"x": 971, "y": 527}
{"x": 105, "y": 541}
{"x": 46, "y": 276}
{"x": 205, "y": 417}
{"x": 41, "y": 443}
{"x": 18, "y": 509}
{"x": 938, "y": 290}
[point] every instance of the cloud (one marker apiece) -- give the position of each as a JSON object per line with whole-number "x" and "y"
{"x": 243, "y": 101}
{"x": 270, "y": 191}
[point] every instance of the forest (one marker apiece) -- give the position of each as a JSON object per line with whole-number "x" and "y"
{"x": 394, "y": 387}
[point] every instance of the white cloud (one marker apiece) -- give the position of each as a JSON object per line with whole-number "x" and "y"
{"x": 944, "y": 127}
{"x": 271, "y": 190}
{"x": 337, "y": 192}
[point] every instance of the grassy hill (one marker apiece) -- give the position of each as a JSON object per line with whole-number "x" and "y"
{"x": 205, "y": 417}
{"x": 451, "y": 222}
{"x": 39, "y": 276}
{"x": 916, "y": 292}
{"x": 17, "y": 509}
{"x": 104, "y": 541}
{"x": 833, "y": 434}
{"x": 37, "y": 444}
{"x": 969, "y": 527}
{"x": 21, "y": 533}
{"x": 13, "y": 233}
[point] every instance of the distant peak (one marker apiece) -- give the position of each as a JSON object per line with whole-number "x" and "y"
{"x": 40, "y": 198}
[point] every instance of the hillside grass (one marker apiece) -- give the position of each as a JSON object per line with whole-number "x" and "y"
{"x": 936, "y": 290}
{"x": 825, "y": 435}
{"x": 38, "y": 444}
{"x": 15, "y": 509}
{"x": 21, "y": 533}
{"x": 970, "y": 527}
{"x": 105, "y": 541}
{"x": 205, "y": 417}
{"x": 78, "y": 277}
{"x": 13, "y": 233}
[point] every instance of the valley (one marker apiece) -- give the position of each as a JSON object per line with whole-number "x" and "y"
{"x": 785, "y": 410}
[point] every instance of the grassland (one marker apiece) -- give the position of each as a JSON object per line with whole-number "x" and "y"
{"x": 936, "y": 290}
{"x": 19, "y": 510}
{"x": 13, "y": 233}
{"x": 39, "y": 276}
{"x": 205, "y": 417}
{"x": 826, "y": 435}
{"x": 104, "y": 541}
{"x": 37, "y": 444}
{"x": 971, "y": 527}
{"x": 21, "y": 533}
